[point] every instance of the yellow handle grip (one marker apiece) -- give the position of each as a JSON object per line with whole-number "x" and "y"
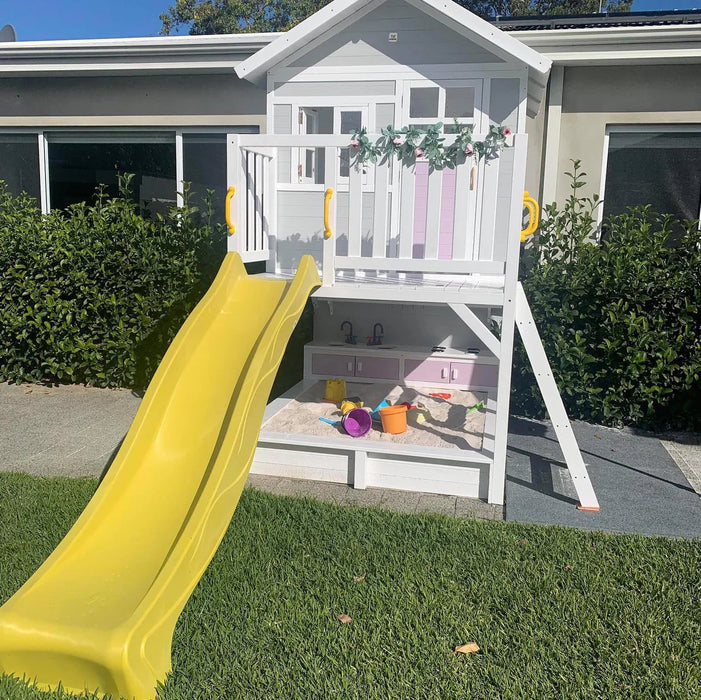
{"x": 533, "y": 211}
{"x": 327, "y": 226}
{"x": 227, "y": 210}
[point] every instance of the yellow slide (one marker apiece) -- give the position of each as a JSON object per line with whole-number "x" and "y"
{"x": 100, "y": 612}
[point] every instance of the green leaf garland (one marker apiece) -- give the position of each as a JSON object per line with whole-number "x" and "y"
{"x": 410, "y": 143}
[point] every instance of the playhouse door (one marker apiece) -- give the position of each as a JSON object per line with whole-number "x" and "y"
{"x": 307, "y": 166}
{"x": 455, "y": 104}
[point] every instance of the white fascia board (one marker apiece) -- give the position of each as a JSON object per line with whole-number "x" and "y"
{"x": 445, "y": 11}
{"x": 647, "y": 44}
{"x": 255, "y": 67}
{"x": 146, "y": 54}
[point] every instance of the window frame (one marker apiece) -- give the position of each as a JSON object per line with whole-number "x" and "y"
{"x": 477, "y": 84}
{"x": 652, "y": 128}
{"x": 83, "y": 133}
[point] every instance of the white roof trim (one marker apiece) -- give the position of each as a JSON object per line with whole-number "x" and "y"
{"x": 446, "y": 11}
{"x": 600, "y": 46}
{"x": 643, "y": 45}
{"x": 185, "y": 54}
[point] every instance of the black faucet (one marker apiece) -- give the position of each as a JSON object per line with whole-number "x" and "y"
{"x": 350, "y": 338}
{"x": 376, "y": 338}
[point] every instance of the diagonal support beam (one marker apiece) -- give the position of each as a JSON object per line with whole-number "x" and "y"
{"x": 553, "y": 402}
{"x": 469, "y": 318}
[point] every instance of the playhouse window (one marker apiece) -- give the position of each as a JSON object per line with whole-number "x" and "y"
{"x": 459, "y": 102}
{"x": 78, "y": 163}
{"x": 655, "y": 166}
{"x": 430, "y": 103}
{"x": 19, "y": 163}
{"x": 325, "y": 120}
{"x": 423, "y": 103}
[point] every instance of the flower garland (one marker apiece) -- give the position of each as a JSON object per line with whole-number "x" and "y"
{"x": 409, "y": 143}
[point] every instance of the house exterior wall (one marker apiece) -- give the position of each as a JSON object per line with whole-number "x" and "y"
{"x": 596, "y": 97}
{"x": 163, "y": 100}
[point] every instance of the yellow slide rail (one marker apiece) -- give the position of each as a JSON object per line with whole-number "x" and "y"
{"x": 227, "y": 210}
{"x": 533, "y": 211}
{"x": 327, "y": 201}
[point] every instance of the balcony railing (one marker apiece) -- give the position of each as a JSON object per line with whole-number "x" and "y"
{"x": 387, "y": 219}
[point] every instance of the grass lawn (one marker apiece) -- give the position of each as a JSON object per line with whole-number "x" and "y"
{"x": 556, "y": 613}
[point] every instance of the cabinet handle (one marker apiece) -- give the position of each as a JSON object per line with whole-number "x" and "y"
{"x": 453, "y": 375}
{"x": 350, "y": 367}
{"x": 444, "y": 373}
{"x": 359, "y": 366}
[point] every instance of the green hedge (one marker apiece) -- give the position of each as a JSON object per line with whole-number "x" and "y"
{"x": 620, "y": 321}
{"x": 94, "y": 294}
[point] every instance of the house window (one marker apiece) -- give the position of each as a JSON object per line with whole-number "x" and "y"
{"x": 655, "y": 166}
{"x": 204, "y": 167}
{"x": 79, "y": 162}
{"x": 19, "y": 164}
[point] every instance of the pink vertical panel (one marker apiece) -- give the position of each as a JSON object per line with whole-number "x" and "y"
{"x": 420, "y": 208}
{"x": 448, "y": 203}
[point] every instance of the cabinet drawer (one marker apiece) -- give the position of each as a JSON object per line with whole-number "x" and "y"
{"x": 377, "y": 367}
{"x": 333, "y": 365}
{"x": 472, "y": 374}
{"x": 432, "y": 371}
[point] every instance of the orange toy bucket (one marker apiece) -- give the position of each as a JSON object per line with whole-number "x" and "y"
{"x": 393, "y": 419}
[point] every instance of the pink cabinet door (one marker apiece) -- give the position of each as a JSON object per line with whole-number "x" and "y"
{"x": 333, "y": 365}
{"x": 432, "y": 371}
{"x": 377, "y": 367}
{"x": 473, "y": 374}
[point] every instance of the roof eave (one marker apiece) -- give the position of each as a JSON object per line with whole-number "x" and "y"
{"x": 255, "y": 67}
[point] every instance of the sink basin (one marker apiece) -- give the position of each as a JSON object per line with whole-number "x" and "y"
{"x": 383, "y": 347}
{"x": 338, "y": 345}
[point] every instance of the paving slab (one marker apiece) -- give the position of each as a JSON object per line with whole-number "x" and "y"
{"x": 69, "y": 430}
{"x": 644, "y": 485}
{"x": 639, "y": 486}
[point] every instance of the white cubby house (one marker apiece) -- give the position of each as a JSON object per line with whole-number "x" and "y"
{"x": 430, "y": 254}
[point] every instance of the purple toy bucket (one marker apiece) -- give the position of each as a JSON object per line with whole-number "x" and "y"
{"x": 357, "y": 422}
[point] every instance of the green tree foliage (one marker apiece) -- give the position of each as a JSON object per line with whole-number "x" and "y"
{"x": 234, "y": 16}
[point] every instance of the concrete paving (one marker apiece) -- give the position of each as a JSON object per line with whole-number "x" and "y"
{"x": 639, "y": 486}
{"x": 645, "y": 485}
{"x": 389, "y": 499}
{"x": 67, "y": 430}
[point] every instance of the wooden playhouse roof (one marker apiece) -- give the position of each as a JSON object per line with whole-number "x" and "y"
{"x": 333, "y": 17}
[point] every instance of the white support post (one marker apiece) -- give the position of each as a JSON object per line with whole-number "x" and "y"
{"x": 553, "y": 402}
{"x": 381, "y": 205}
{"x": 179, "y": 169}
{"x": 271, "y": 199}
{"x": 407, "y": 183}
{"x": 235, "y": 178}
{"x": 497, "y": 475}
{"x": 469, "y": 318}
{"x": 355, "y": 208}
{"x": 44, "y": 173}
{"x": 249, "y": 237}
{"x": 360, "y": 459}
{"x": 433, "y": 214}
{"x": 328, "y": 272}
{"x": 463, "y": 229}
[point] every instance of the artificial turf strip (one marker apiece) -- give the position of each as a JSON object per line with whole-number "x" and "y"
{"x": 557, "y": 613}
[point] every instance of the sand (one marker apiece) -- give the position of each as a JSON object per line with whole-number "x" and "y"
{"x": 449, "y": 425}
